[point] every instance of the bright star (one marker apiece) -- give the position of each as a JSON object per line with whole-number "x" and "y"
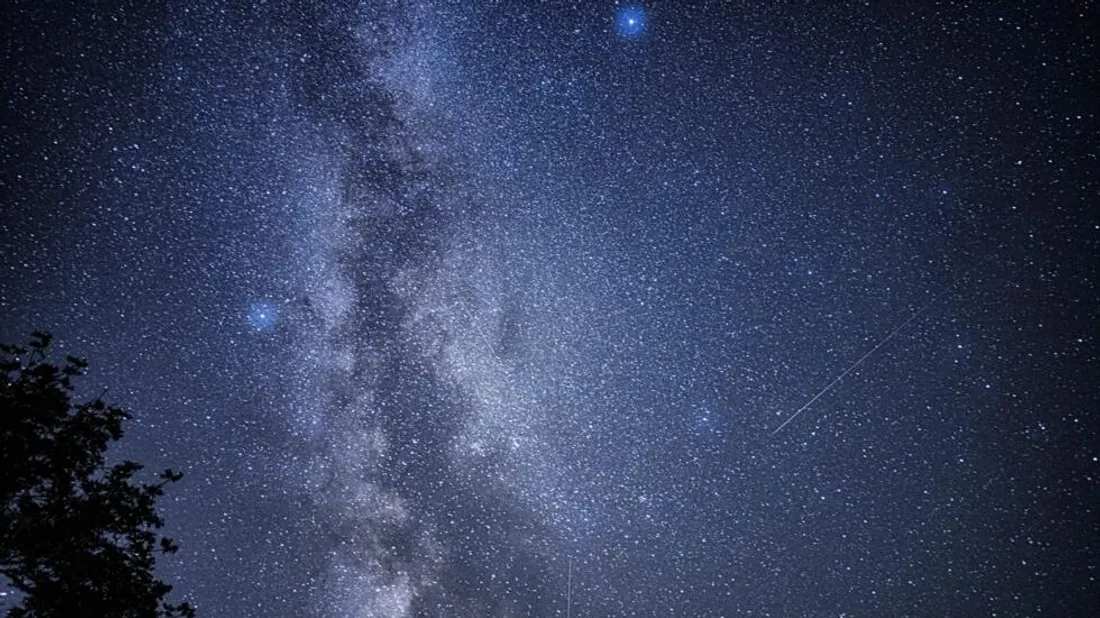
{"x": 262, "y": 315}
{"x": 630, "y": 21}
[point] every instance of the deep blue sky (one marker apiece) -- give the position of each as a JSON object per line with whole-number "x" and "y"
{"x": 436, "y": 303}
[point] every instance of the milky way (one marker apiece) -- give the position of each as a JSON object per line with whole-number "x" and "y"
{"x": 483, "y": 309}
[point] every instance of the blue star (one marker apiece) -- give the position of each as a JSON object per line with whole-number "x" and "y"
{"x": 262, "y": 315}
{"x": 705, "y": 421}
{"x": 630, "y": 21}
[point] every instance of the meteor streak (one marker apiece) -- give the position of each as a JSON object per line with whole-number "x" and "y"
{"x": 852, "y": 367}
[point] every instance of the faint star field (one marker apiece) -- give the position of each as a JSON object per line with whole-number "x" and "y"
{"x": 589, "y": 309}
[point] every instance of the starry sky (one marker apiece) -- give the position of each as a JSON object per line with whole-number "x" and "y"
{"x": 514, "y": 308}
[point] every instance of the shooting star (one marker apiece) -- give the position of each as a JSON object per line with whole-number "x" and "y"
{"x": 859, "y": 362}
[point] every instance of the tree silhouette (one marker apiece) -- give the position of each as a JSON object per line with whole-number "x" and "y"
{"x": 77, "y": 537}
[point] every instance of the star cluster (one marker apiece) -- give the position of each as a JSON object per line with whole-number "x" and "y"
{"x": 499, "y": 309}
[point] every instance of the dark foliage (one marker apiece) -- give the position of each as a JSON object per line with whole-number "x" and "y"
{"x": 77, "y": 537}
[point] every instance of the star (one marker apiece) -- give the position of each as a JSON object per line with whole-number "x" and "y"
{"x": 262, "y": 315}
{"x": 630, "y": 22}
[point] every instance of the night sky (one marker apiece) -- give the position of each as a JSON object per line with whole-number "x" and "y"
{"x": 485, "y": 309}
